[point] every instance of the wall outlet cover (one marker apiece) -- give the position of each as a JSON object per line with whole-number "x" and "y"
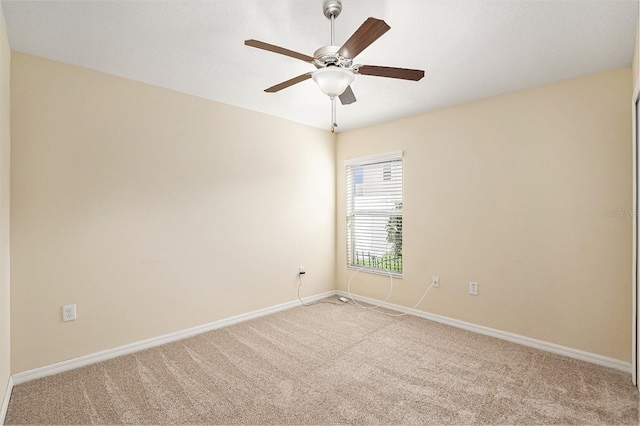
{"x": 473, "y": 288}
{"x": 69, "y": 312}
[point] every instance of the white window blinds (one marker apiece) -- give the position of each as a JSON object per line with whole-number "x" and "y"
{"x": 374, "y": 213}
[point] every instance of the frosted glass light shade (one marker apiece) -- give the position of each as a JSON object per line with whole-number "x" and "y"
{"x": 333, "y": 81}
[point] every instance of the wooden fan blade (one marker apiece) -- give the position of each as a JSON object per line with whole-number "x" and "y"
{"x": 278, "y": 49}
{"x": 347, "y": 96}
{"x": 368, "y": 32}
{"x": 288, "y": 83}
{"x": 391, "y": 72}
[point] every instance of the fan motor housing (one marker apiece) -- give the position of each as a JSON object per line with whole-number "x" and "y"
{"x": 328, "y": 55}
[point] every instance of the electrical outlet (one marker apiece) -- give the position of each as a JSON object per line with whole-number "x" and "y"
{"x": 435, "y": 281}
{"x": 473, "y": 288}
{"x": 301, "y": 270}
{"x": 69, "y": 312}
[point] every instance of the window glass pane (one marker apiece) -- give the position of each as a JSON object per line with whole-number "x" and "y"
{"x": 357, "y": 174}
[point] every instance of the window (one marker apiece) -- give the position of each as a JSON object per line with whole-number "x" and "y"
{"x": 374, "y": 213}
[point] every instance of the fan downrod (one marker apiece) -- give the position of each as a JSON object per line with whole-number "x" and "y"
{"x": 332, "y": 8}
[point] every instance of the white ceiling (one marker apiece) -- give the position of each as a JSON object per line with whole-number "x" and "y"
{"x": 470, "y": 49}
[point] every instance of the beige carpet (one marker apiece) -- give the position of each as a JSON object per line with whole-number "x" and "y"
{"x": 334, "y": 364}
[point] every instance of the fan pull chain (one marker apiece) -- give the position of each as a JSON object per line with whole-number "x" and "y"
{"x": 333, "y": 115}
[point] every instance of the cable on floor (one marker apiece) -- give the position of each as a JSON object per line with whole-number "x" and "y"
{"x": 314, "y": 303}
{"x": 374, "y": 308}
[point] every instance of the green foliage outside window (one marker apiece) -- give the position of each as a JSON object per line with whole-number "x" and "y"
{"x": 394, "y": 232}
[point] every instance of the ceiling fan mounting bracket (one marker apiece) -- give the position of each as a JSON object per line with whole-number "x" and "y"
{"x": 332, "y": 8}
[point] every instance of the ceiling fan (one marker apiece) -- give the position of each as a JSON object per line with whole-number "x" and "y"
{"x": 335, "y": 68}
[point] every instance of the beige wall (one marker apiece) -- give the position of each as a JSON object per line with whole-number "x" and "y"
{"x": 636, "y": 56}
{"x": 154, "y": 211}
{"x": 511, "y": 192}
{"x": 635, "y": 76}
{"x": 5, "y": 61}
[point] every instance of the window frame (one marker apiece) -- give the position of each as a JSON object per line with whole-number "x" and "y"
{"x": 396, "y": 156}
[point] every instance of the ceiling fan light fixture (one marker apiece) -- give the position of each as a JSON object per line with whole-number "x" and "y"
{"x": 332, "y": 80}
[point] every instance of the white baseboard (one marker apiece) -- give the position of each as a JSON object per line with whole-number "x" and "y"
{"x": 504, "y": 335}
{"x": 5, "y": 400}
{"x": 82, "y": 361}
